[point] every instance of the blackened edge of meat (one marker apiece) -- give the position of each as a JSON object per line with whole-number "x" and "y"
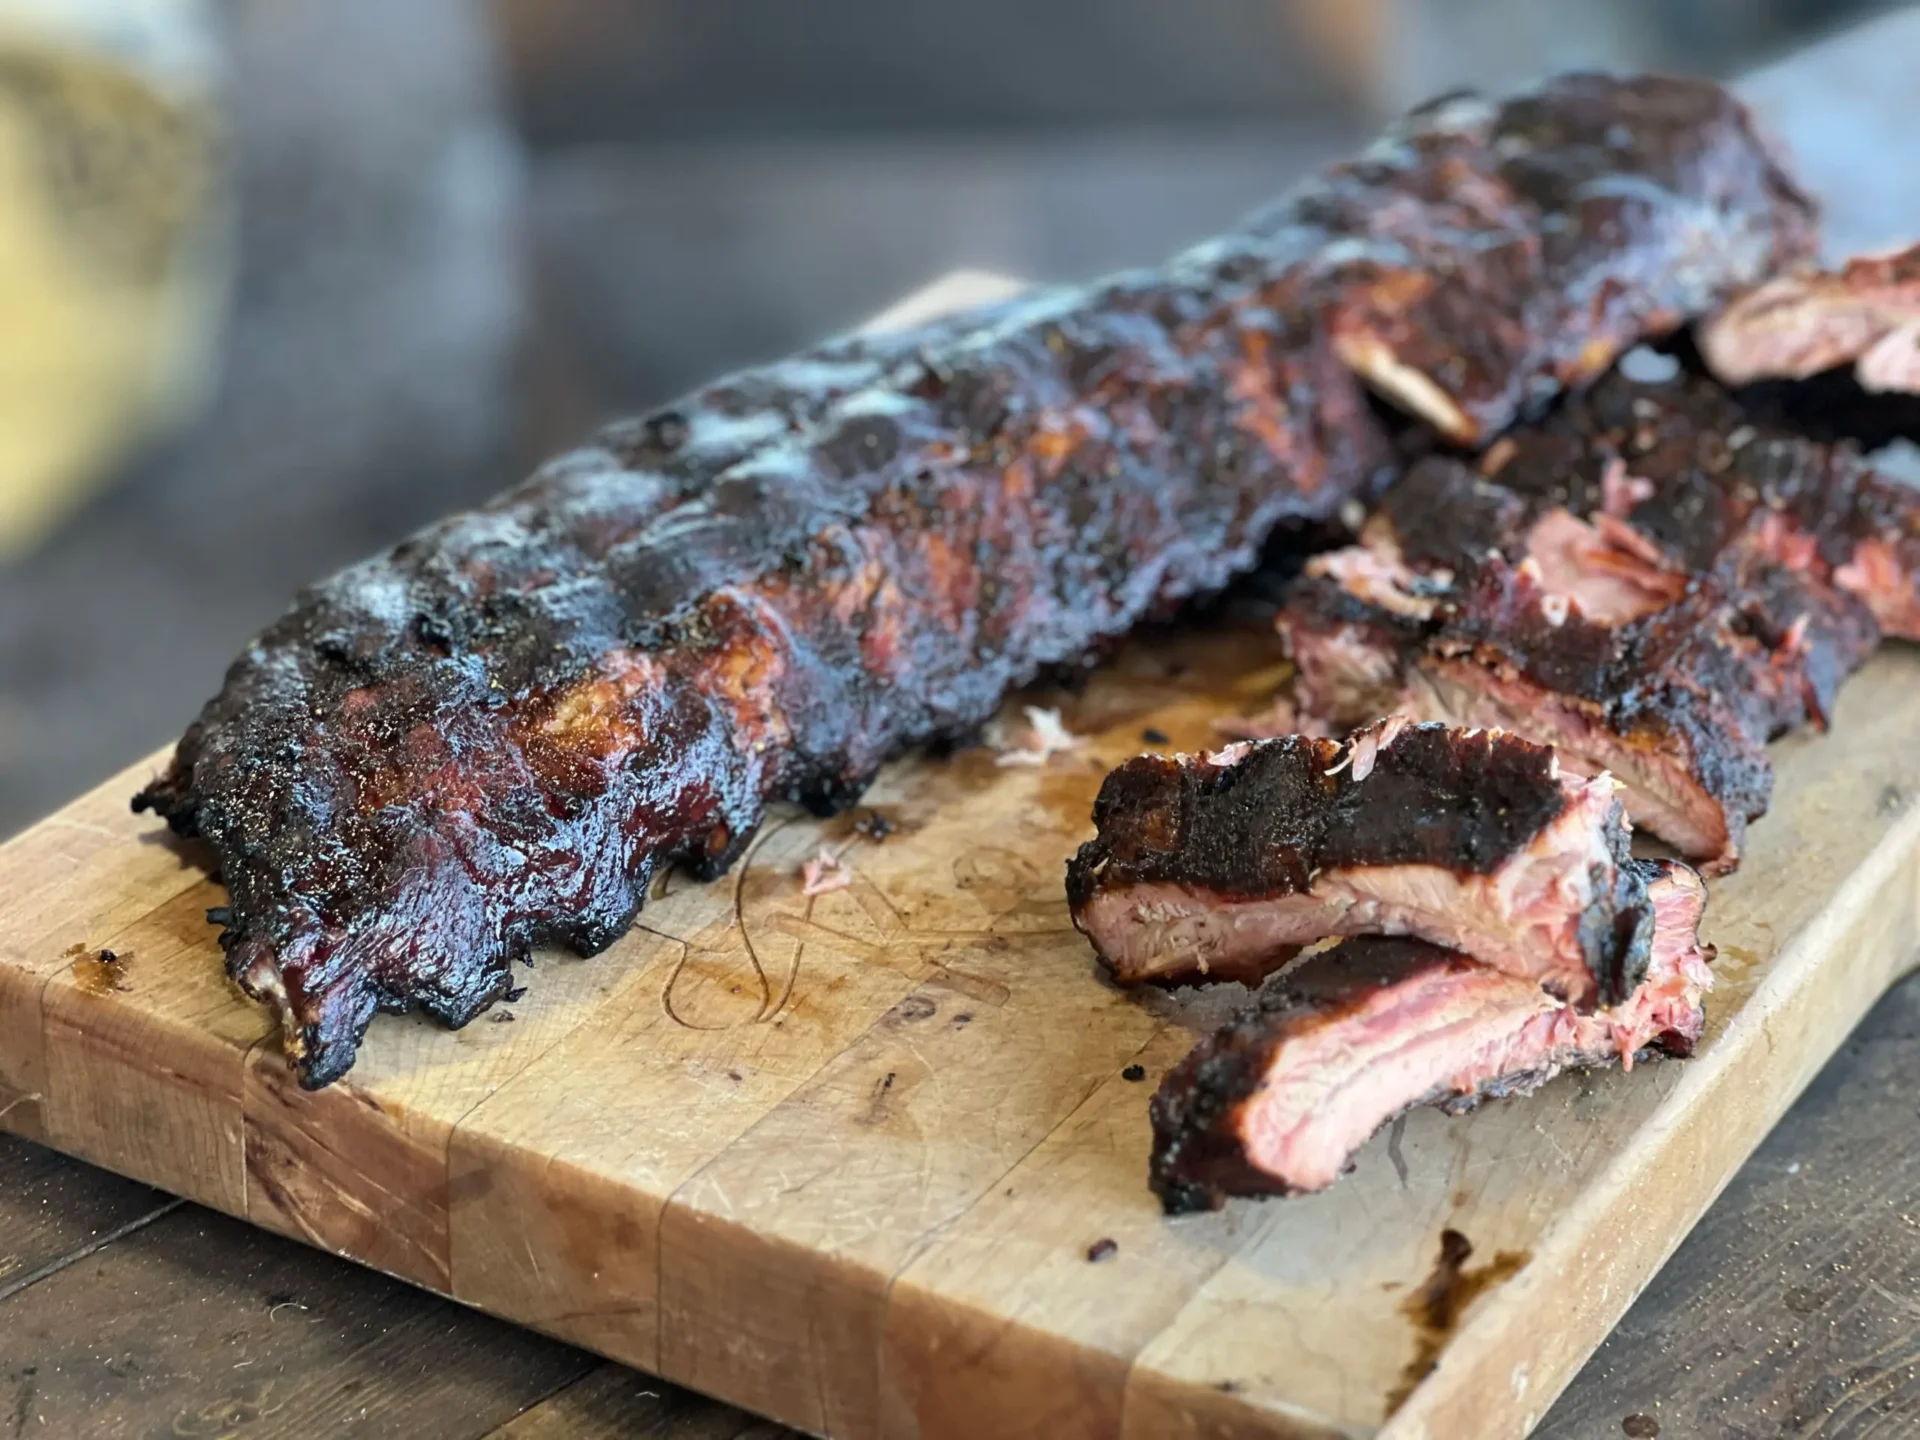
{"x": 1202, "y": 1169}
{"x": 1200, "y": 1157}
{"x": 1262, "y": 817}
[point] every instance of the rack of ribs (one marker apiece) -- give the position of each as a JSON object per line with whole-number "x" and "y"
{"x": 1653, "y": 580}
{"x": 493, "y": 736}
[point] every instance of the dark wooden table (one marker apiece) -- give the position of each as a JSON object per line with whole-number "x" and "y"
{"x": 1794, "y": 1308}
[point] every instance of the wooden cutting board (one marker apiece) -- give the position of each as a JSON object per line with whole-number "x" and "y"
{"x": 842, "y": 1160}
{"x": 846, "y": 1160}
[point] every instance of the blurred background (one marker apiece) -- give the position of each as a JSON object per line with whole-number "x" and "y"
{"x": 281, "y": 280}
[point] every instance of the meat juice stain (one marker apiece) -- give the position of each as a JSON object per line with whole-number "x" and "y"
{"x": 98, "y": 972}
{"x": 1436, "y": 1307}
{"x": 1067, "y": 790}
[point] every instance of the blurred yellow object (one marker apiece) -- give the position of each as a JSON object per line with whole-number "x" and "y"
{"x": 114, "y": 242}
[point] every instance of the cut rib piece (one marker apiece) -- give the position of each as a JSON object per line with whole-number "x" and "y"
{"x": 1677, "y": 705}
{"x": 1718, "y": 487}
{"x": 1508, "y": 654}
{"x": 1643, "y": 583}
{"x": 1865, "y": 314}
{"x": 1224, "y": 866}
{"x": 1277, "y": 1102}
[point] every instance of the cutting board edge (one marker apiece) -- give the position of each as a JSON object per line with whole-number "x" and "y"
{"x": 1890, "y": 873}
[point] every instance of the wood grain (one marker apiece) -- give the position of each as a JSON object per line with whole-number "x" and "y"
{"x": 842, "y": 1158}
{"x": 73, "y": 880}
{"x": 52, "y": 1211}
{"x": 1010, "y": 1326}
{"x": 175, "y": 1123}
{"x": 615, "y": 1403}
{"x": 364, "y": 1169}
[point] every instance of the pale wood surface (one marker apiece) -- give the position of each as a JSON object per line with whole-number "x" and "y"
{"x": 789, "y": 1174}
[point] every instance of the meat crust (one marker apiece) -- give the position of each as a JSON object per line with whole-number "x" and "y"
{"x": 1556, "y": 188}
{"x": 493, "y": 736}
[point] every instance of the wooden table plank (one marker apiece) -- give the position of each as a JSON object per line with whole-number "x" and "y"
{"x": 615, "y": 1403}
{"x": 1795, "y": 1307}
{"x": 52, "y": 1209}
{"x": 201, "y": 1325}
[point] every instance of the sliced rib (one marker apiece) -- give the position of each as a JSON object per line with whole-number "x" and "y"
{"x": 1277, "y": 1102}
{"x": 1224, "y": 866}
{"x": 1866, "y": 314}
{"x": 1643, "y": 584}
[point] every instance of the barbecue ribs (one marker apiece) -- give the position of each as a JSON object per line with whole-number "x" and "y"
{"x": 1277, "y": 1102}
{"x": 1224, "y": 866}
{"x": 492, "y": 737}
{"x": 1649, "y": 580}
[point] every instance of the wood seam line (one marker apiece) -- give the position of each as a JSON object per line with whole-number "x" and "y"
{"x": 1892, "y": 862}
{"x": 672, "y": 1197}
{"x": 45, "y": 1097}
{"x": 925, "y": 1243}
{"x": 92, "y": 1247}
{"x": 246, "y": 1120}
{"x": 594, "y": 1363}
{"x": 1256, "y": 1235}
{"x": 446, "y": 1153}
{"x": 32, "y": 1098}
{"x": 1913, "y": 913}
{"x": 453, "y": 1129}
